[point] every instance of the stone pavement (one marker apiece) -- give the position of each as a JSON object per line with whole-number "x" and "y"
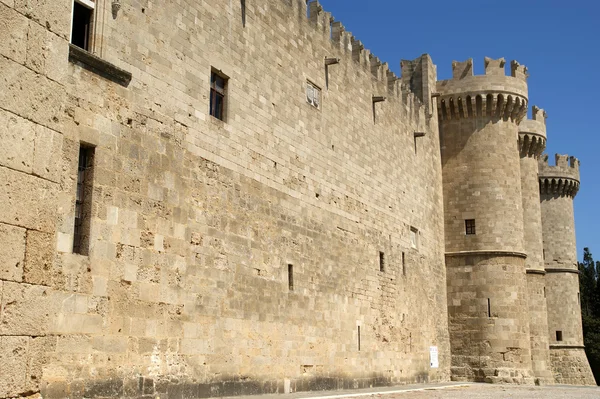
{"x": 451, "y": 391}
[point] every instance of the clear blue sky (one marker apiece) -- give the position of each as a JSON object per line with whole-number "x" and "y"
{"x": 558, "y": 41}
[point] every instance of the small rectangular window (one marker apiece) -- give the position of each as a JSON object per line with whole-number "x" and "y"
{"x": 243, "y": 7}
{"x": 291, "y": 277}
{"x": 218, "y": 86}
{"x": 414, "y": 239}
{"x": 470, "y": 226}
{"x": 403, "y": 264}
{"x": 313, "y": 95}
{"x": 381, "y": 261}
{"x": 81, "y": 29}
{"x": 83, "y": 198}
{"x": 359, "y": 338}
{"x": 559, "y": 336}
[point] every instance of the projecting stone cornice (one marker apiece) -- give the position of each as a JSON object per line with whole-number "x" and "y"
{"x": 559, "y": 185}
{"x": 487, "y": 253}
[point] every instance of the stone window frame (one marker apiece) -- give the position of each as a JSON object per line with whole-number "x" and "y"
{"x": 311, "y": 99}
{"x": 414, "y": 237}
{"x": 218, "y": 93}
{"x": 89, "y": 39}
{"x": 470, "y": 227}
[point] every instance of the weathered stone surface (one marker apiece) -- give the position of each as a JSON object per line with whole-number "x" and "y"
{"x": 17, "y": 142}
{"x": 27, "y": 201}
{"x": 53, "y": 15}
{"x": 39, "y": 258}
{"x": 12, "y": 252}
{"x": 26, "y": 309}
{"x": 46, "y": 160}
{"x": 13, "y": 30}
{"x": 13, "y": 365}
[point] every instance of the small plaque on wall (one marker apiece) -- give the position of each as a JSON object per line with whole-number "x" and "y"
{"x": 433, "y": 357}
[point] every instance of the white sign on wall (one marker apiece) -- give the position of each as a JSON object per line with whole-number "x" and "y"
{"x": 433, "y": 357}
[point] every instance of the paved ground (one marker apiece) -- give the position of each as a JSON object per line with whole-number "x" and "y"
{"x": 500, "y": 392}
{"x": 451, "y": 391}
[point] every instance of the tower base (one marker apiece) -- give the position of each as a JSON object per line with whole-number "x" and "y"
{"x": 570, "y": 365}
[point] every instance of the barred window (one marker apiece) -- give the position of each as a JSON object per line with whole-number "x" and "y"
{"x": 470, "y": 226}
{"x": 313, "y": 95}
{"x": 218, "y": 85}
{"x": 83, "y": 198}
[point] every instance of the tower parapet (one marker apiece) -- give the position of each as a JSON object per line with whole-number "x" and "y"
{"x": 532, "y": 134}
{"x": 561, "y": 179}
{"x": 493, "y": 94}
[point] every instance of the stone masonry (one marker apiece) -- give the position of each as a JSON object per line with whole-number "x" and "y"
{"x": 207, "y": 199}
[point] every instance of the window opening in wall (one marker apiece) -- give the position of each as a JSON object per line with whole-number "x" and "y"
{"x": 313, "y": 95}
{"x": 81, "y": 29}
{"x": 489, "y": 308}
{"x": 578, "y": 298}
{"x": 218, "y": 85}
{"x": 470, "y": 226}
{"x": 291, "y": 277}
{"x": 381, "y": 261}
{"x": 83, "y": 198}
{"x": 416, "y": 136}
{"x": 359, "y": 338}
{"x": 403, "y": 264}
{"x": 243, "y": 6}
{"x": 376, "y": 99}
{"x": 544, "y": 292}
{"x": 328, "y": 63}
{"x": 559, "y": 336}
{"x": 414, "y": 241}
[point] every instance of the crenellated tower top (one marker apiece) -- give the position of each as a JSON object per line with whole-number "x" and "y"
{"x": 493, "y": 94}
{"x": 561, "y": 179}
{"x": 532, "y": 134}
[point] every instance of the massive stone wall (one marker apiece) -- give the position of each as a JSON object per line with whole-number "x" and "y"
{"x": 194, "y": 221}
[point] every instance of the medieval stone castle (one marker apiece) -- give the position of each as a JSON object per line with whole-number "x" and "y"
{"x": 208, "y": 198}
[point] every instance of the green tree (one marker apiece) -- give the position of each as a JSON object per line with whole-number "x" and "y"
{"x": 587, "y": 283}
{"x": 589, "y": 288}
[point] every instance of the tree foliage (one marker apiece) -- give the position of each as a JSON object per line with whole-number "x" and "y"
{"x": 589, "y": 288}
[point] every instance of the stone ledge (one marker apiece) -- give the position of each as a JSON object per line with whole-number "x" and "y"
{"x": 535, "y": 271}
{"x": 498, "y": 253}
{"x": 98, "y": 66}
{"x": 574, "y": 271}
{"x": 554, "y": 346}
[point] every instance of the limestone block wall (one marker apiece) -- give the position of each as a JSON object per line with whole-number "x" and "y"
{"x": 194, "y": 221}
{"x": 30, "y": 181}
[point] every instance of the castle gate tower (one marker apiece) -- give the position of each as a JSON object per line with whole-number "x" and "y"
{"x": 485, "y": 259}
{"x": 558, "y": 186}
{"x": 532, "y": 141}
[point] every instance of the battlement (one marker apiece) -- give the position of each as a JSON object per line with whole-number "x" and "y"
{"x": 560, "y": 179}
{"x": 532, "y": 134}
{"x": 493, "y": 94}
{"x": 347, "y": 43}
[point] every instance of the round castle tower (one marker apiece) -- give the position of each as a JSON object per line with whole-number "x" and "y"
{"x": 532, "y": 142}
{"x": 558, "y": 186}
{"x": 485, "y": 259}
